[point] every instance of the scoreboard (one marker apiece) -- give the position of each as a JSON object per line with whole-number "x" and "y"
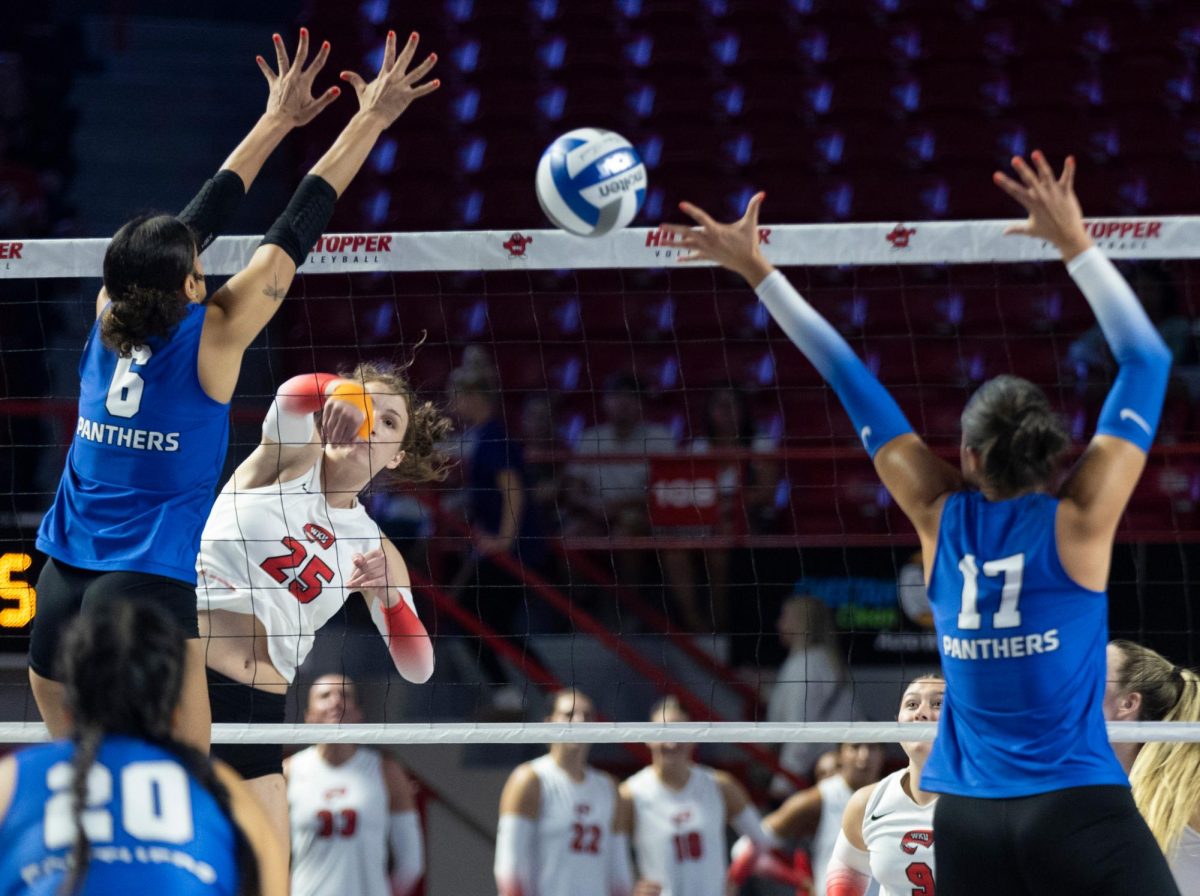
{"x": 20, "y": 564}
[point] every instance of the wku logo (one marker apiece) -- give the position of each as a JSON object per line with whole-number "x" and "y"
{"x": 900, "y": 236}
{"x": 319, "y": 535}
{"x": 913, "y": 839}
{"x": 582, "y": 809}
{"x": 680, "y": 818}
{"x": 516, "y": 244}
{"x": 333, "y": 792}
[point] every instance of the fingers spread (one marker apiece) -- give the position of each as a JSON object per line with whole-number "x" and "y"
{"x": 752, "y": 208}
{"x": 426, "y": 88}
{"x": 1024, "y": 171}
{"x": 1011, "y": 187}
{"x": 318, "y": 62}
{"x": 354, "y": 80}
{"x": 696, "y": 214}
{"x": 1045, "y": 172}
{"x": 1067, "y": 181}
{"x": 265, "y": 69}
{"x": 389, "y": 52}
{"x": 281, "y": 59}
{"x": 301, "y": 49}
{"x": 406, "y": 54}
{"x": 422, "y": 70}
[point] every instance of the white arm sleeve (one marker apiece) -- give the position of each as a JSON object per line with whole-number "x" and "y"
{"x": 849, "y": 870}
{"x": 749, "y": 824}
{"x": 408, "y": 851}
{"x": 620, "y": 868}
{"x": 287, "y": 427}
{"x": 515, "y": 856}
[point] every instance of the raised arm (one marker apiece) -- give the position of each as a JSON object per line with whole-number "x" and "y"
{"x": 240, "y": 309}
{"x": 290, "y": 104}
{"x": 916, "y": 478}
{"x": 290, "y": 442}
{"x": 1098, "y": 488}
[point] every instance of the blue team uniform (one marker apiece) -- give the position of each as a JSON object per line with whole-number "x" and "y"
{"x": 142, "y": 469}
{"x": 1024, "y": 676}
{"x": 152, "y": 827}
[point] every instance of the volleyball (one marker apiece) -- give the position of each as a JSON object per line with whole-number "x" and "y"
{"x": 591, "y": 181}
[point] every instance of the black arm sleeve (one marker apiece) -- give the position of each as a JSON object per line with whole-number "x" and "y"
{"x": 211, "y": 210}
{"x": 298, "y": 228}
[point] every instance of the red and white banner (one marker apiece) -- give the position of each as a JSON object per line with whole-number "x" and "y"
{"x": 683, "y": 491}
{"x": 911, "y": 242}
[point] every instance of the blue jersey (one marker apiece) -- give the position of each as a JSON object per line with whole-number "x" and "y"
{"x": 152, "y": 827}
{"x": 1022, "y": 649}
{"x": 142, "y": 469}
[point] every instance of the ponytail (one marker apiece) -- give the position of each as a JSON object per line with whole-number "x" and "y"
{"x": 1166, "y": 776}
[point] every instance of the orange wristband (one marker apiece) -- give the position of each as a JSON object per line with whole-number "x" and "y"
{"x": 355, "y": 394}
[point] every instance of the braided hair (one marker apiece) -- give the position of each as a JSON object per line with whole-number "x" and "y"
{"x": 122, "y": 668}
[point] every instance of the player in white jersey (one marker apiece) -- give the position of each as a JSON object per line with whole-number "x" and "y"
{"x": 887, "y": 831}
{"x": 680, "y": 813}
{"x": 350, "y": 806}
{"x": 558, "y": 833}
{"x": 814, "y": 814}
{"x": 288, "y": 542}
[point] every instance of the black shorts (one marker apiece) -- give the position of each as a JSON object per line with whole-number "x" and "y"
{"x": 1082, "y": 840}
{"x": 232, "y": 701}
{"x": 63, "y": 592}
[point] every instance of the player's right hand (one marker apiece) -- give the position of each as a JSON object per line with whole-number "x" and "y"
{"x": 394, "y": 88}
{"x": 341, "y": 422}
{"x": 1054, "y": 212}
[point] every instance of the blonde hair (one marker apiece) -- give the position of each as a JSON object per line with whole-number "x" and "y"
{"x": 1166, "y": 776}
{"x": 1149, "y": 674}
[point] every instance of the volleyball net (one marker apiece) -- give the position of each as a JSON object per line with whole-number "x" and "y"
{"x": 692, "y": 479}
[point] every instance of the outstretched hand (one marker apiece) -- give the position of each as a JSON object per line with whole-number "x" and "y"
{"x": 290, "y": 96}
{"x": 1054, "y": 212}
{"x": 394, "y": 88}
{"x": 733, "y": 246}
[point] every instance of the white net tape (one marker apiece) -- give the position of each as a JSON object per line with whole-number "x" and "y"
{"x": 926, "y": 242}
{"x": 606, "y": 733}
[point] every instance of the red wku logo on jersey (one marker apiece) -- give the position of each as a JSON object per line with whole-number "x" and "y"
{"x": 681, "y": 817}
{"x": 582, "y": 808}
{"x": 913, "y": 839}
{"x": 319, "y": 535}
{"x": 334, "y": 791}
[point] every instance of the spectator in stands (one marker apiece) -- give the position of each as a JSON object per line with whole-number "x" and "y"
{"x": 505, "y": 531}
{"x": 545, "y": 477}
{"x": 350, "y": 807}
{"x": 912, "y": 593}
{"x": 1089, "y": 355}
{"x": 746, "y": 496}
{"x": 607, "y": 498}
{"x": 559, "y": 833}
{"x": 813, "y": 684}
{"x": 612, "y": 496}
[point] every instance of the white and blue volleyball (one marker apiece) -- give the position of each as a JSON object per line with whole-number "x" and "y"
{"x": 591, "y": 181}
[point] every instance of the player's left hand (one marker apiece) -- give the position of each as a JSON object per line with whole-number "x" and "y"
{"x": 290, "y": 98}
{"x": 370, "y": 571}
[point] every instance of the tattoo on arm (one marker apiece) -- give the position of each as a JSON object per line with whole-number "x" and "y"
{"x": 275, "y": 292}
